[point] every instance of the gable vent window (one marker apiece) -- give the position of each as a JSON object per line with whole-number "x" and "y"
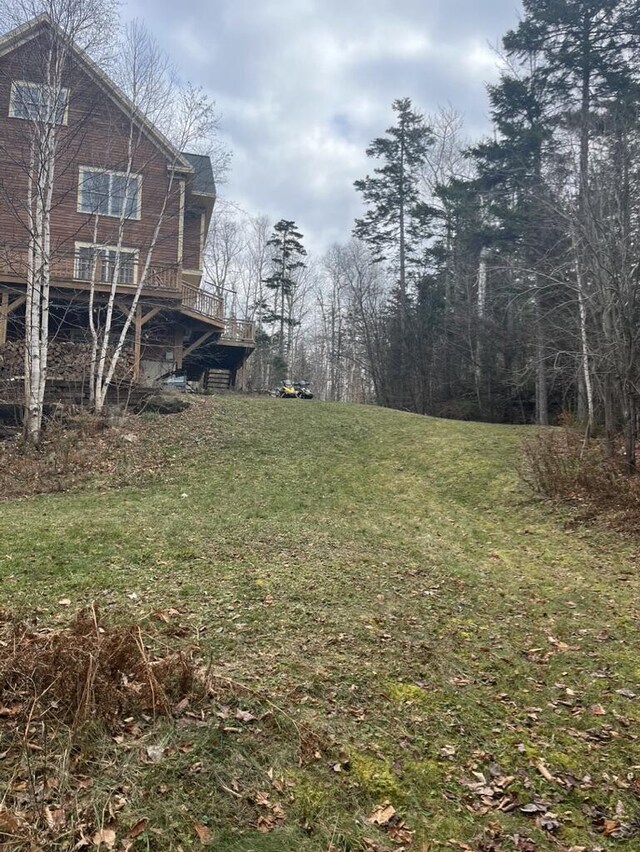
{"x": 104, "y": 259}
{"x": 109, "y": 193}
{"x": 36, "y": 102}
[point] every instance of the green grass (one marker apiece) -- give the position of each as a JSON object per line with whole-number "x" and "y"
{"x": 382, "y": 580}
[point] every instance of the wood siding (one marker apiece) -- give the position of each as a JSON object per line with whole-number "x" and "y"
{"x": 192, "y": 229}
{"x": 96, "y": 134}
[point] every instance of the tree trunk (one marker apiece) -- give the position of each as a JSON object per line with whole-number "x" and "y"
{"x": 481, "y": 305}
{"x": 630, "y": 431}
{"x": 542, "y": 400}
{"x": 401, "y": 379}
{"x": 609, "y": 415}
{"x": 584, "y": 357}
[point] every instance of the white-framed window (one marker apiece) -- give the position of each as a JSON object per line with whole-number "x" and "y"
{"x": 38, "y": 102}
{"x": 108, "y": 193}
{"x": 104, "y": 259}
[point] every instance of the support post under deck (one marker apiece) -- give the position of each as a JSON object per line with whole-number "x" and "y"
{"x": 4, "y": 317}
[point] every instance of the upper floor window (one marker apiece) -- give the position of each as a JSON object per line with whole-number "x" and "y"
{"x": 37, "y": 102}
{"x": 109, "y": 193}
{"x": 98, "y": 263}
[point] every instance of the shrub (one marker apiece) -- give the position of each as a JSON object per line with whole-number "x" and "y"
{"x": 88, "y": 672}
{"x": 557, "y": 464}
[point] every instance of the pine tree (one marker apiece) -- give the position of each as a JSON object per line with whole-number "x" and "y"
{"x": 286, "y": 241}
{"x": 510, "y": 173}
{"x": 395, "y": 224}
{"x": 585, "y": 48}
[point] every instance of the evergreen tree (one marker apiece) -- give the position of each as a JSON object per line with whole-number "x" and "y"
{"x": 288, "y": 251}
{"x": 456, "y": 258}
{"x": 586, "y": 48}
{"x": 395, "y": 224}
{"x": 589, "y": 52}
{"x": 510, "y": 172}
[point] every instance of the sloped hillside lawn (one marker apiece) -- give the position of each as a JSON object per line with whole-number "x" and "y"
{"x": 392, "y": 645}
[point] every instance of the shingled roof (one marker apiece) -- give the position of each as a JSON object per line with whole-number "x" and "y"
{"x": 203, "y": 180}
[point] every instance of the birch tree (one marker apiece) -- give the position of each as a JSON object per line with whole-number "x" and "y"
{"x": 154, "y": 94}
{"x": 42, "y": 108}
{"x": 587, "y": 49}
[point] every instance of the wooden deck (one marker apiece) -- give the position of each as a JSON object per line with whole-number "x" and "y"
{"x": 163, "y": 283}
{"x": 238, "y": 333}
{"x": 198, "y": 303}
{"x": 65, "y": 270}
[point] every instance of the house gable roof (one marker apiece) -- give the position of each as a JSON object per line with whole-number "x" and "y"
{"x": 29, "y": 31}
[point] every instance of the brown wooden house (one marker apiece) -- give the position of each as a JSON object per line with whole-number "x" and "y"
{"x": 180, "y": 323}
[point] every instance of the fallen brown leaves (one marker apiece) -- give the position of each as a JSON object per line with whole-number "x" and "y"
{"x": 139, "y": 828}
{"x": 58, "y": 684}
{"x": 557, "y": 465}
{"x": 104, "y": 837}
{"x": 203, "y": 832}
{"x": 386, "y": 818}
{"x": 80, "y": 451}
{"x": 272, "y": 813}
{"x": 492, "y": 791}
{"x": 87, "y": 671}
{"x": 52, "y": 684}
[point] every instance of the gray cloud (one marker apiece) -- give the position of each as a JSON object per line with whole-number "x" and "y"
{"x": 304, "y": 85}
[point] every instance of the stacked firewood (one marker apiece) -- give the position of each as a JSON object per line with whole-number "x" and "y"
{"x": 68, "y": 361}
{"x": 12, "y": 360}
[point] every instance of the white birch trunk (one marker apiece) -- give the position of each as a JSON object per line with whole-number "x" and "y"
{"x": 93, "y": 328}
{"x": 481, "y": 309}
{"x": 29, "y": 336}
{"x": 41, "y": 175}
{"x": 98, "y": 374}
{"x": 107, "y": 378}
{"x": 584, "y": 355}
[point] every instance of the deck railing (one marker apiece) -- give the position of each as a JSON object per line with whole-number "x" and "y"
{"x": 238, "y": 331}
{"x": 74, "y": 268}
{"x": 201, "y": 302}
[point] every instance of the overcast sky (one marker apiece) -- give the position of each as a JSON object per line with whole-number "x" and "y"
{"x": 304, "y": 85}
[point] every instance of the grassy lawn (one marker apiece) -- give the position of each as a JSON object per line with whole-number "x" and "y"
{"x": 405, "y": 624}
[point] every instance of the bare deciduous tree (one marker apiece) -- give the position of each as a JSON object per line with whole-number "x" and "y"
{"x": 155, "y": 95}
{"x": 41, "y": 144}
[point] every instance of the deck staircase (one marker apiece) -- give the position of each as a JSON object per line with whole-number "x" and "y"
{"x": 218, "y": 380}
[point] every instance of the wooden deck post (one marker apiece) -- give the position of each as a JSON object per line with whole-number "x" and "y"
{"x": 4, "y": 317}
{"x": 150, "y": 315}
{"x": 177, "y": 347}
{"x": 243, "y": 374}
{"x": 137, "y": 344}
{"x": 7, "y": 307}
{"x": 240, "y": 381}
